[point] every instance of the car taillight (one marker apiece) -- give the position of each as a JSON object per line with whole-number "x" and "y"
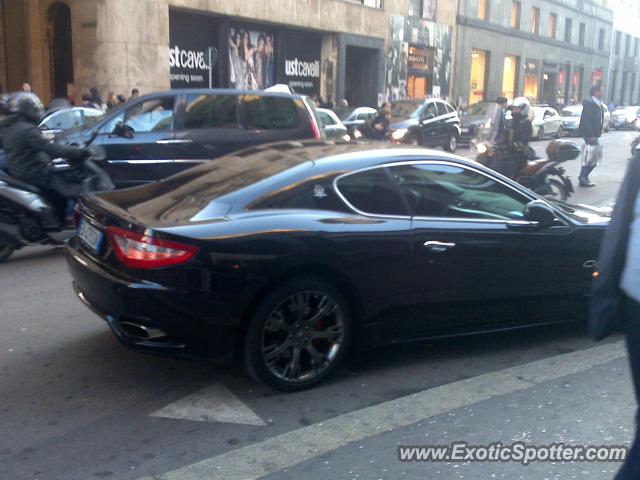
{"x": 316, "y": 129}
{"x": 141, "y": 251}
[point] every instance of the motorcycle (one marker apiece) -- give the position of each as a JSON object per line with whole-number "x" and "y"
{"x": 544, "y": 177}
{"x": 28, "y": 217}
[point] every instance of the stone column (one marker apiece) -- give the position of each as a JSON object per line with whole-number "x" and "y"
{"x": 132, "y": 45}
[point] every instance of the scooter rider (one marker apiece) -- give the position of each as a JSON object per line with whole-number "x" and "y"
{"x": 514, "y": 155}
{"x": 29, "y": 154}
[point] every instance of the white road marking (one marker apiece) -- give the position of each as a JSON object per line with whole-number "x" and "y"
{"x": 211, "y": 404}
{"x": 297, "y": 446}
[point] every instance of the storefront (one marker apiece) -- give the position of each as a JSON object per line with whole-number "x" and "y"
{"x": 419, "y": 71}
{"x": 550, "y": 91}
{"x": 209, "y": 51}
{"x": 418, "y": 61}
{"x": 478, "y": 80}
{"x": 531, "y": 79}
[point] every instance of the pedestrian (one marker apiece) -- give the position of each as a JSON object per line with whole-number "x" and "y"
{"x": 342, "y": 109}
{"x": 96, "y": 100}
{"x": 26, "y": 87}
{"x": 112, "y": 102}
{"x": 379, "y": 129}
{"x": 121, "y": 99}
{"x": 498, "y": 130}
{"x": 134, "y": 93}
{"x": 590, "y": 128}
{"x": 615, "y": 296}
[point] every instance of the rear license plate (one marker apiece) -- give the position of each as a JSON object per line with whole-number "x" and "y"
{"x": 90, "y": 236}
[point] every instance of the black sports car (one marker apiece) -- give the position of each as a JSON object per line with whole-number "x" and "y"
{"x": 294, "y": 253}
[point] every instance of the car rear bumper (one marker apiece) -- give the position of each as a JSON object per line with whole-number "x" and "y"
{"x": 147, "y": 316}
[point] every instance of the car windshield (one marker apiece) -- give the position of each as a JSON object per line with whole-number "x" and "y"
{"x": 572, "y": 112}
{"x": 408, "y": 108}
{"x": 480, "y": 108}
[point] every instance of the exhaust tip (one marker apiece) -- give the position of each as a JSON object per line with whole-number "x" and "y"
{"x": 143, "y": 332}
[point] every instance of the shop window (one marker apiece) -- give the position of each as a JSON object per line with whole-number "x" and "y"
{"x": 211, "y": 111}
{"x": 531, "y": 79}
{"x": 477, "y": 91}
{"x": 422, "y": 8}
{"x": 269, "y": 113}
{"x": 535, "y": 20}
{"x": 516, "y": 8}
{"x": 483, "y": 9}
{"x": 601, "y": 40}
{"x": 510, "y": 76}
{"x": 553, "y": 25}
{"x": 581, "y": 35}
{"x": 568, "y": 30}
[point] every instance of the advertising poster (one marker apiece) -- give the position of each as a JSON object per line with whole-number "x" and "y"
{"x": 193, "y": 52}
{"x": 302, "y": 62}
{"x": 251, "y": 59}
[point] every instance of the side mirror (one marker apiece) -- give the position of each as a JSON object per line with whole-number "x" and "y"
{"x": 123, "y": 130}
{"x": 538, "y": 211}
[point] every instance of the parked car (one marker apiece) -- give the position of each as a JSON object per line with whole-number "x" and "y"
{"x": 432, "y": 123}
{"x": 546, "y": 123}
{"x": 625, "y": 118}
{"x": 68, "y": 121}
{"x": 164, "y": 133}
{"x": 332, "y": 126}
{"x": 292, "y": 254}
{"x": 476, "y": 121}
{"x": 570, "y": 116}
{"x": 358, "y": 118}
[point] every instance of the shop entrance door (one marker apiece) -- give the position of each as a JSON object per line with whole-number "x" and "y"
{"x": 549, "y": 88}
{"x": 360, "y": 76}
{"x": 417, "y": 87}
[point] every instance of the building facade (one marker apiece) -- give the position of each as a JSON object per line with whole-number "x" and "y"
{"x": 336, "y": 48}
{"x": 550, "y": 51}
{"x": 624, "y": 77}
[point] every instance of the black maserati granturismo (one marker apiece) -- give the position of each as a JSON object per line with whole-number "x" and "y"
{"x": 291, "y": 254}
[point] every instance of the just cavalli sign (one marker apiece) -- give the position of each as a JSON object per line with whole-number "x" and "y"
{"x": 302, "y": 66}
{"x": 299, "y": 68}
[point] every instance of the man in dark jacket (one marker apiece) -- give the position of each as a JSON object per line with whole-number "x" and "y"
{"x": 615, "y": 296}
{"x": 28, "y": 153}
{"x": 591, "y": 123}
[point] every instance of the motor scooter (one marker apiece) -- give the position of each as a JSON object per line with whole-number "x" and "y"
{"x": 28, "y": 215}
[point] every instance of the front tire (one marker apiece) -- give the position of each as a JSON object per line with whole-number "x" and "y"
{"x": 452, "y": 144}
{"x": 6, "y": 250}
{"x": 298, "y": 334}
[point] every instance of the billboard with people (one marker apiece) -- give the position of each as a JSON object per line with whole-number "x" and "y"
{"x": 251, "y": 59}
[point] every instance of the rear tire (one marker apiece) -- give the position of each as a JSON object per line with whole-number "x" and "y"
{"x": 298, "y": 334}
{"x": 6, "y": 251}
{"x": 557, "y": 190}
{"x": 452, "y": 144}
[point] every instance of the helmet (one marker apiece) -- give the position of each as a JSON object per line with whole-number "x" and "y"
{"x": 27, "y": 104}
{"x": 523, "y": 104}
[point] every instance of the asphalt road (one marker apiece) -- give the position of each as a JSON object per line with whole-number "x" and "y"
{"x": 76, "y": 405}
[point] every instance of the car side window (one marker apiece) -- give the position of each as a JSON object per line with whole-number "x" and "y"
{"x": 449, "y": 191}
{"x": 269, "y": 113}
{"x": 313, "y": 194}
{"x": 155, "y": 115}
{"x": 431, "y": 109}
{"x": 65, "y": 120}
{"x": 450, "y": 109}
{"x": 442, "y": 109}
{"x": 211, "y": 111}
{"x": 372, "y": 192}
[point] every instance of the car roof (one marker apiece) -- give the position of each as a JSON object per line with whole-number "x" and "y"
{"x": 329, "y": 155}
{"x": 219, "y": 91}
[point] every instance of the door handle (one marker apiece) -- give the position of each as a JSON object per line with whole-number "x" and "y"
{"x": 174, "y": 141}
{"x": 438, "y": 247}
